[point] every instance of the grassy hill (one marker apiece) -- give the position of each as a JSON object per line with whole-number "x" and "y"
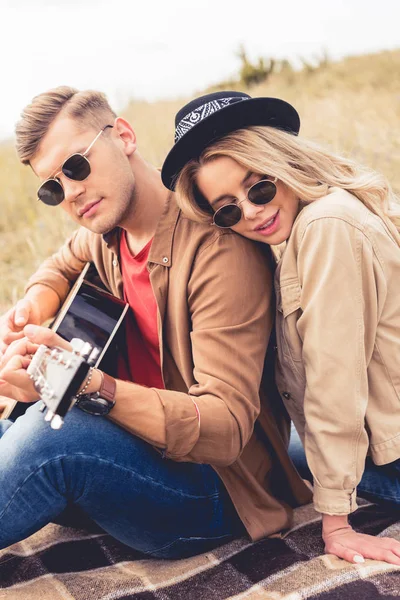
{"x": 352, "y": 105}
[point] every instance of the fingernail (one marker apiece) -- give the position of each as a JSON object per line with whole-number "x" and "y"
{"x": 30, "y": 330}
{"x": 19, "y": 320}
{"x": 358, "y": 558}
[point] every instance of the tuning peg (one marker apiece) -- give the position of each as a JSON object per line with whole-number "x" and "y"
{"x": 77, "y": 345}
{"x": 55, "y": 354}
{"x": 37, "y": 357}
{"x": 49, "y": 415}
{"x": 56, "y": 422}
{"x": 86, "y": 350}
{"x": 80, "y": 347}
{"x": 39, "y": 383}
{"x": 93, "y": 356}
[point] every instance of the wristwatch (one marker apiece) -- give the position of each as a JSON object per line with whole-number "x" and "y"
{"x": 101, "y": 402}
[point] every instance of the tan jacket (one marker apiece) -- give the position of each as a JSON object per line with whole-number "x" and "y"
{"x": 213, "y": 291}
{"x": 338, "y": 330}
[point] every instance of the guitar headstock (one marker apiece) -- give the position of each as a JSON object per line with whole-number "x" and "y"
{"x": 57, "y": 375}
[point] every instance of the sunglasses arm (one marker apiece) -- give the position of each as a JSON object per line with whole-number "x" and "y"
{"x": 94, "y": 141}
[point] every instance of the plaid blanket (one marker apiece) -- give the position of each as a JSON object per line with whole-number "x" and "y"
{"x": 60, "y": 563}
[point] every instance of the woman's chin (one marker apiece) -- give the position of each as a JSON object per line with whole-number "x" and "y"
{"x": 275, "y": 239}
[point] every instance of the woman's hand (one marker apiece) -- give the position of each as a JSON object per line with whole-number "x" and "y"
{"x": 342, "y": 541}
{"x": 14, "y": 380}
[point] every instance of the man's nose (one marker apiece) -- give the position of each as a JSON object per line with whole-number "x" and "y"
{"x": 250, "y": 211}
{"x": 72, "y": 189}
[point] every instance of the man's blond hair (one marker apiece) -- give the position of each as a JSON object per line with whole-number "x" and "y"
{"x": 89, "y": 108}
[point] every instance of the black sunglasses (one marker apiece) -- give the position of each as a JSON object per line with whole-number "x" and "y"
{"x": 259, "y": 193}
{"x": 75, "y": 167}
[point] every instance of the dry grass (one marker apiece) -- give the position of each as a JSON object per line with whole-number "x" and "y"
{"x": 352, "y": 106}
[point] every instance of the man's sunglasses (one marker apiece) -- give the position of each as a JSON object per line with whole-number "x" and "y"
{"x": 75, "y": 167}
{"x": 260, "y": 193}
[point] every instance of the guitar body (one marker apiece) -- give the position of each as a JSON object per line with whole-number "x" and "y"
{"x": 93, "y": 315}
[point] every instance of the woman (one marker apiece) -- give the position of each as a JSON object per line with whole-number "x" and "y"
{"x": 238, "y": 163}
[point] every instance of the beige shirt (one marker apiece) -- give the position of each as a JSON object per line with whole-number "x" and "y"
{"x": 338, "y": 330}
{"x": 214, "y": 297}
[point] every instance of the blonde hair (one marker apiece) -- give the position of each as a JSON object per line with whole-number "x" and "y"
{"x": 307, "y": 169}
{"x": 87, "y": 108}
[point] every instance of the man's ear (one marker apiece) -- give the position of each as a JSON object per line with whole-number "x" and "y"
{"x": 126, "y": 135}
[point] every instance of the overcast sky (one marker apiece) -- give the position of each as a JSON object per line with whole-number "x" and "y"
{"x": 167, "y": 48}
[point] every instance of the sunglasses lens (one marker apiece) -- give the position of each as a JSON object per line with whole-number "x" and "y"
{"x": 262, "y": 192}
{"x": 51, "y": 193}
{"x": 227, "y": 216}
{"x": 76, "y": 167}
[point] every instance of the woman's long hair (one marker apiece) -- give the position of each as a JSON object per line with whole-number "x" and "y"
{"x": 307, "y": 169}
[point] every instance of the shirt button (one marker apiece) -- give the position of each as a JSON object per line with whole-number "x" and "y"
{"x": 286, "y": 395}
{"x": 165, "y": 259}
{"x": 115, "y": 263}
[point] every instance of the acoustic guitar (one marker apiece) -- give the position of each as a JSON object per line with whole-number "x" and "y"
{"x": 90, "y": 318}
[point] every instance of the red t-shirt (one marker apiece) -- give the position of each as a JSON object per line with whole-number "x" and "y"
{"x": 143, "y": 360}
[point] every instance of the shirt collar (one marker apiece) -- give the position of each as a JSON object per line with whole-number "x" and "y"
{"x": 161, "y": 248}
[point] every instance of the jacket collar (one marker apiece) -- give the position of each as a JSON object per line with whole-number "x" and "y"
{"x": 161, "y": 248}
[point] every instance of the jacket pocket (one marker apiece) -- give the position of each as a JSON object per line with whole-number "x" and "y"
{"x": 289, "y": 311}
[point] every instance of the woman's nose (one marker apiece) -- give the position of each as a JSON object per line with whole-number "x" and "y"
{"x": 250, "y": 211}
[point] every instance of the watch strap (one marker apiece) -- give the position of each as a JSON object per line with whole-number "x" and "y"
{"x": 108, "y": 387}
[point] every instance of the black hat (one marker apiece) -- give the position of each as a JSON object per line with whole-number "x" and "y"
{"x": 209, "y": 117}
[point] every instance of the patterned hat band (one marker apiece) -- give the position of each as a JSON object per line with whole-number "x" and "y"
{"x": 202, "y": 112}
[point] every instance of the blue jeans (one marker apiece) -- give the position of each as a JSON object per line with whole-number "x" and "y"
{"x": 155, "y": 505}
{"x": 379, "y": 484}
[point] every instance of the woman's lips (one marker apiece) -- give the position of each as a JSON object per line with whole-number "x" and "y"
{"x": 269, "y": 226}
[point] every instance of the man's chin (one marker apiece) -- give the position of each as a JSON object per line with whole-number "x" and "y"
{"x": 98, "y": 227}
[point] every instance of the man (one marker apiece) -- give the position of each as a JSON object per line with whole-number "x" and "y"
{"x": 177, "y": 466}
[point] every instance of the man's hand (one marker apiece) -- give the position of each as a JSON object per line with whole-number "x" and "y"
{"x": 14, "y": 380}
{"x": 342, "y": 541}
{"x": 5, "y": 404}
{"x": 40, "y": 304}
{"x": 14, "y": 320}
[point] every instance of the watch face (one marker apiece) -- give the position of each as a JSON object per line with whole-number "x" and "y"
{"x": 94, "y": 405}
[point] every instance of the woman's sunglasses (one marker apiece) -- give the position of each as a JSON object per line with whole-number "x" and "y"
{"x": 260, "y": 193}
{"x": 75, "y": 167}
